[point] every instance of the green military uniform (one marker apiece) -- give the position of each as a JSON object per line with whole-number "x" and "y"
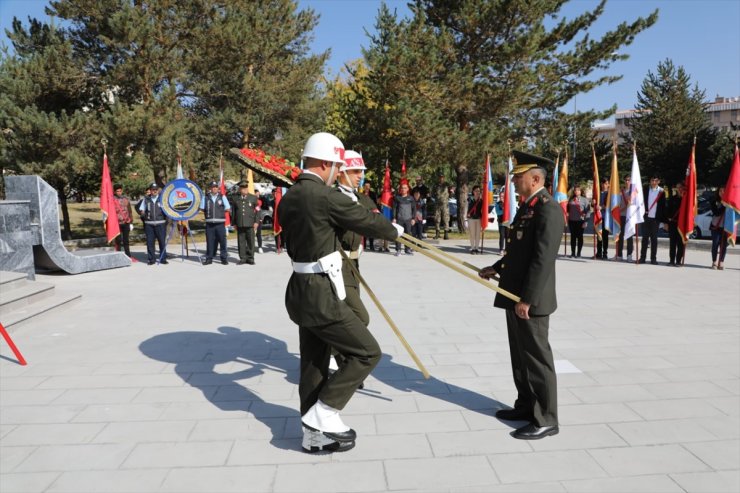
{"x": 528, "y": 270}
{"x": 244, "y": 208}
{"x": 314, "y": 218}
{"x": 441, "y": 209}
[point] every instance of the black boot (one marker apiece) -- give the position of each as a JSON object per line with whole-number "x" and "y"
{"x": 447, "y": 237}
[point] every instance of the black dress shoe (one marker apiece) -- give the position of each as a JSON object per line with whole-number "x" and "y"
{"x": 208, "y": 262}
{"x": 654, "y": 262}
{"x": 338, "y": 436}
{"x": 164, "y": 262}
{"x": 332, "y": 447}
{"x": 250, "y": 262}
{"x": 150, "y": 263}
{"x": 224, "y": 262}
{"x": 534, "y": 432}
{"x": 241, "y": 262}
{"x": 514, "y": 414}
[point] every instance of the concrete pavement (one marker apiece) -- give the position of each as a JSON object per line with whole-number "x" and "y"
{"x": 180, "y": 378}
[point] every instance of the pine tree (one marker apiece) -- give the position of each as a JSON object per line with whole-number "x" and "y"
{"x": 670, "y": 113}
{"x": 465, "y": 76}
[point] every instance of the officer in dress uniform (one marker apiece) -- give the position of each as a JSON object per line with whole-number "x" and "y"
{"x": 214, "y": 207}
{"x": 245, "y": 219}
{"x": 528, "y": 270}
{"x": 314, "y": 216}
{"x": 154, "y": 224}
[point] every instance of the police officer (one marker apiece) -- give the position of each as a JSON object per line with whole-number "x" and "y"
{"x": 246, "y": 221}
{"x": 441, "y": 209}
{"x": 214, "y": 207}
{"x": 528, "y": 270}
{"x": 154, "y": 224}
{"x": 314, "y": 216}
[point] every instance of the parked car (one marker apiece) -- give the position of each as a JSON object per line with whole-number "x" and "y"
{"x": 702, "y": 220}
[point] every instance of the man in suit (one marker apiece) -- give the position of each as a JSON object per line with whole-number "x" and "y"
{"x": 676, "y": 246}
{"x": 528, "y": 270}
{"x": 314, "y": 216}
{"x": 654, "y": 215}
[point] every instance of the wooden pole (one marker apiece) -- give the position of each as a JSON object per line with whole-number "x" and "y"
{"x": 438, "y": 251}
{"x": 387, "y": 317}
{"x": 454, "y": 267}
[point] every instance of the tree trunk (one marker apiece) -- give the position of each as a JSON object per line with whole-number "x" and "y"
{"x": 66, "y": 227}
{"x": 461, "y": 188}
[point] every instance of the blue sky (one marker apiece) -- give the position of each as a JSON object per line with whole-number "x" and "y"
{"x": 700, "y": 35}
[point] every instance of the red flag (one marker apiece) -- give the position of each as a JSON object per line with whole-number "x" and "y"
{"x": 731, "y": 200}
{"x": 687, "y": 212}
{"x": 485, "y": 195}
{"x": 596, "y": 195}
{"x": 108, "y": 204}
{"x": 275, "y": 222}
{"x": 386, "y": 197}
{"x": 222, "y": 188}
{"x": 403, "y": 167}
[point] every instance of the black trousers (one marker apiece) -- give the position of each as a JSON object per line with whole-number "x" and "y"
{"x": 154, "y": 232}
{"x": 675, "y": 245}
{"x": 406, "y": 229}
{"x": 359, "y": 351}
{"x": 602, "y": 244}
{"x": 620, "y": 241}
{"x": 533, "y": 367}
{"x": 649, "y": 234}
{"x": 122, "y": 239}
{"x": 576, "y": 237}
{"x": 245, "y": 242}
{"x": 216, "y": 239}
{"x": 502, "y": 231}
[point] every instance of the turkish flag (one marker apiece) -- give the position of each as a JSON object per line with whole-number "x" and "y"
{"x": 181, "y": 194}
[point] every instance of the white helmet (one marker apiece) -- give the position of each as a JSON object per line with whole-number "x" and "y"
{"x": 352, "y": 160}
{"x": 324, "y": 147}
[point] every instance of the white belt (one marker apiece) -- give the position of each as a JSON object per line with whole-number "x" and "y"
{"x": 329, "y": 264}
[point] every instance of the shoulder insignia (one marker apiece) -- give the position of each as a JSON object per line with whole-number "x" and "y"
{"x": 545, "y": 200}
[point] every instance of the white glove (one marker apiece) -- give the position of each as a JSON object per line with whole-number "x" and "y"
{"x": 131, "y": 227}
{"x": 399, "y": 229}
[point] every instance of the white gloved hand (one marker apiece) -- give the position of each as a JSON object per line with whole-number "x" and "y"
{"x": 399, "y": 229}
{"x": 131, "y": 227}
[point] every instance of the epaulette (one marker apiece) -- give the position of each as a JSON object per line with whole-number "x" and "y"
{"x": 545, "y": 200}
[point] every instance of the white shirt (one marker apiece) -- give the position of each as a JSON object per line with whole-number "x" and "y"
{"x": 652, "y": 204}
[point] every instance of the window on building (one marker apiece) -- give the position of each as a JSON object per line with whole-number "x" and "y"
{"x": 733, "y": 115}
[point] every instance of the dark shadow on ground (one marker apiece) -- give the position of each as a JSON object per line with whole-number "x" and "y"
{"x": 407, "y": 379}
{"x": 195, "y": 355}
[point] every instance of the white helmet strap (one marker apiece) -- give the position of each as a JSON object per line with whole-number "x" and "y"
{"x": 332, "y": 173}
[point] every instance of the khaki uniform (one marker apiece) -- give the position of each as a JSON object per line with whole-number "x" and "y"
{"x": 314, "y": 219}
{"x": 441, "y": 209}
{"x": 244, "y": 209}
{"x": 528, "y": 270}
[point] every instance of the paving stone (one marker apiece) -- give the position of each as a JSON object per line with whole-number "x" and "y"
{"x": 97, "y": 396}
{"x": 86, "y": 457}
{"x": 658, "y": 459}
{"x": 466, "y": 443}
{"x": 27, "y": 482}
{"x": 674, "y": 409}
{"x": 709, "y": 482}
{"x": 221, "y": 479}
{"x": 20, "y": 383}
{"x": 51, "y": 434}
{"x": 439, "y": 474}
{"x": 113, "y": 481}
{"x": 145, "y": 431}
{"x": 39, "y": 414}
{"x": 331, "y": 476}
{"x": 722, "y": 454}
{"x": 389, "y": 424}
{"x": 387, "y": 447}
{"x": 665, "y": 431}
{"x": 29, "y": 397}
{"x": 596, "y": 413}
{"x": 681, "y": 390}
{"x": 653, "y": 484}
{"x": 546, "y": 466}
{"x": 182, "y": 454}
{"x": 614, "y": 393}
{"x": 12, "y": 456}
{"x": 580, "y": 437}
{"x": 174, "y": 394}
{"x": 121, "y": 412}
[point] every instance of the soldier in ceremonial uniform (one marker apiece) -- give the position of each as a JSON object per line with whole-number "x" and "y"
{"x": 314, "y": 217}
{"x": 246, "y": 221}
{"x": 441, "y": 194}
{"x": 214, "y": 207}
{"x": 528, "y": 270}
{"x": 154, "y": 224}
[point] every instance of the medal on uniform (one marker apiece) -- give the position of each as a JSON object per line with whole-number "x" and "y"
{"x": 519, "y": 234}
